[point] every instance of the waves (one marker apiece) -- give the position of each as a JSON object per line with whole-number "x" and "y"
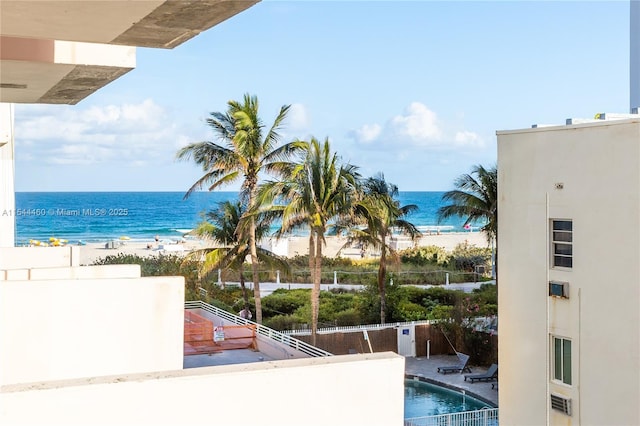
{"x": 141, "y": 216}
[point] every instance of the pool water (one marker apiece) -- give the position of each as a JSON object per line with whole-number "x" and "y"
{"x": 424, "y": 399}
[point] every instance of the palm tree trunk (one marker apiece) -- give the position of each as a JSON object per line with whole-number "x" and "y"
{"x": 315, "y": 292}
{"x": 312, "y": 259}
{"x": 312, "y": 276}
{"x": 245, "y": 296}
{"x": 382, "y": 272}
{"x": 254, "y": 270}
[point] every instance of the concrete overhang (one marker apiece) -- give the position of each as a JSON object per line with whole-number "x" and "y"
{"x": 148, "y": 23}
{"x": 58, "y": 72}
{"x": 59, "y": 52}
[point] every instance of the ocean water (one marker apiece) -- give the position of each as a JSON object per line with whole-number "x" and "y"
{"x": 140, "y": 216}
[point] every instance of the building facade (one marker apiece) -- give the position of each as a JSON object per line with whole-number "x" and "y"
{"x": 569, "y": 251}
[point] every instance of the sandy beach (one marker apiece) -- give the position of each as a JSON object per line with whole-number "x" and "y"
{"x": 291, "y": 247}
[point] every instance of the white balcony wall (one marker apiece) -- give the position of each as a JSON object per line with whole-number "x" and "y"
{"x": 72, "y": 272}
{"x": 65, "y": 329}
{"x": 342, "y": 390}
{"x": 39, "y": 257}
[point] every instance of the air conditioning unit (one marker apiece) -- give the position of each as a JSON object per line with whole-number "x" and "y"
{"x": 559, "y": 289}
{"x": 561, "y": 403}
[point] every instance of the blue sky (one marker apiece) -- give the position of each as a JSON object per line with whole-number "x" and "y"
{"x": 415, "y": 90}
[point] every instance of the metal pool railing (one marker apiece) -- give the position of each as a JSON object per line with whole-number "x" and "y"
{"x": 482, "y": 417}
{"x": 260, "y": 329}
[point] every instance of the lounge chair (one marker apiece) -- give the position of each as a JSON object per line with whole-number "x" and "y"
{"x": 490, "y": 375}
{"x": 458, "y": 368}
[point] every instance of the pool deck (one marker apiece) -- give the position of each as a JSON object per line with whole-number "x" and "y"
{"x": 427, "y": 370}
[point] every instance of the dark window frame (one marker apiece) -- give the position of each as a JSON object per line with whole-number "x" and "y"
{"x": 562, "y": 243}
{"x": 562, "y": 354}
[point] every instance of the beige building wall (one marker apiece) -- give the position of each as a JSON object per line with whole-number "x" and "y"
{"x": 342, "y": 390}
{"x": 65, "y": 329}
{"x": 589, "y": 174}
{"x": 7, "y": 177}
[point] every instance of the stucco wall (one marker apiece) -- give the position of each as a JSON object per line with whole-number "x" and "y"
{"x": 589, "y": 174}
{"x": 7, "y": 190}
{"x": 39, "y": 257}
{"x": 62, "y": 329}
{"x": 72, "y": 272}
{"x": 342, "y": 390}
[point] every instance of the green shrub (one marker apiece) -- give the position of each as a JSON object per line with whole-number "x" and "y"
{"x": 486, "y": 294}
{"x": 348, "y": 317}
{"x": 466, "y": 257}
{"x": 408, "y": 311}
{"x": 281, "y": 303}
{"x": 442, "y": 295}
{"x": 442, "y": 312}
{"x": 425, "y": 255}
{"x": 283, "y": 322}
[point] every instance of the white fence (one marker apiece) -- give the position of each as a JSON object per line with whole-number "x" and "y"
{"x": 482, "y": 417}
{"x": 356, "y": 328}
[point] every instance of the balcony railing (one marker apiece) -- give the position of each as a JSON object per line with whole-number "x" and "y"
{"x": 482, "y": 417}
{"x": 261, "y": 330}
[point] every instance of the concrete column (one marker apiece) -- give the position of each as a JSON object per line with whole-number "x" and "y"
{"x": 634, "y": 55}
{"x": 7, "y": 177}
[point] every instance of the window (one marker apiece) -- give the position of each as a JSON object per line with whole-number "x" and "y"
{"x": 562, "y": 360}
{"x": 562, "y": 243}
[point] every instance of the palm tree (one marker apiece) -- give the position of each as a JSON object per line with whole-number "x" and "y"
{"x": 317, "y": 191}
{"x": 381, "y": 213}
{"x": 247, "y": 152}
{"x": 221, "y": 226}
{"x": 476, "y": 198}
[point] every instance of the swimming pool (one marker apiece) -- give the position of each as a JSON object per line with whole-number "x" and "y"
{"x": 424, "y": 399}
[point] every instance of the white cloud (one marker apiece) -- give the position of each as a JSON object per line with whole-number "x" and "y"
{"x": 419, "y": 124}
{"x": 129, "y": 134}
{"x": 367, "y": 133}
{"x": 298, "y": 118}
{"x": 470, "y": 139}
{"x": 417, "y": 127}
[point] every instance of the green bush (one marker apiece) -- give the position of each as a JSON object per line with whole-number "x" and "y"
{"x": 478, "y": 346}
{"x": 466, "y": 257}
{"x": 442, "y": 295}
{"x": 442, "y": 312}
{"x": 408, "y": 311}
{"x": 283, "y": 322}
{"x": 283, "y": 302}
{"x": 425, "y": 255}
{"x": 348, "y": 317}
